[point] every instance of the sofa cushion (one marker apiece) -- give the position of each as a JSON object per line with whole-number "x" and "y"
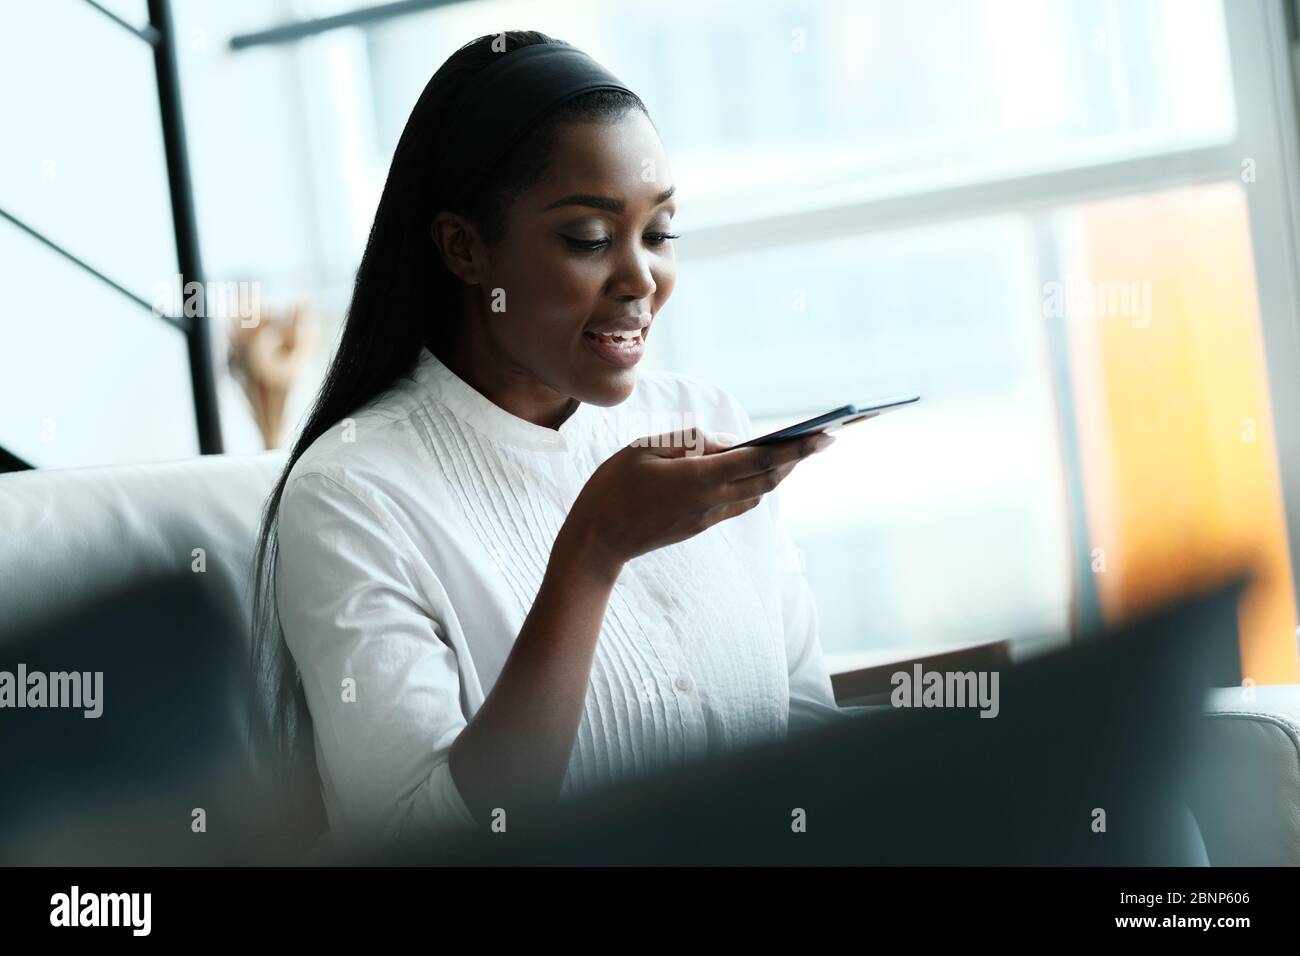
{"x": 77, "y": 534}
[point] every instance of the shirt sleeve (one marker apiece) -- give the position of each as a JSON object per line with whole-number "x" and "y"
{"x": 812, "y": 698}
{"x": 381, "y": 685}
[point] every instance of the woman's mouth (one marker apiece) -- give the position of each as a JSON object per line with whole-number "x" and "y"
{"x": 621, "y": 349}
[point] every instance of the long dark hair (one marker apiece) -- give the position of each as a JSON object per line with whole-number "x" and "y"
{"x": 402, "y": 291}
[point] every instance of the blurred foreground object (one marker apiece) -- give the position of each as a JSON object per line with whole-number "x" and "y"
{"x": 266, "y": 357}
{"x": 1085, "y": 762}
{"x": 158, "y": 770}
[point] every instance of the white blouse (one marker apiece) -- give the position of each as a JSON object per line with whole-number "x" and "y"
{"x": 413, "y": 538}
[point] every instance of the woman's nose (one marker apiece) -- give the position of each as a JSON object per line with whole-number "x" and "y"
{"x": 635, "y": 278}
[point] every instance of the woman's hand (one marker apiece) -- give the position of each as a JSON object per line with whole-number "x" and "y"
{"x": 655, "y": 492}
{"x": 661, "y": 490}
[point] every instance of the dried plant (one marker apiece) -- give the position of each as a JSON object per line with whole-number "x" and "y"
{"x": 266, "y": 358}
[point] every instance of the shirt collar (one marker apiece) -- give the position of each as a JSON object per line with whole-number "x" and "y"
{"x": 483, "y": 415}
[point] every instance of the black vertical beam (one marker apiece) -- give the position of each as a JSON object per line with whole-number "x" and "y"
{"x": 184, "y": 221}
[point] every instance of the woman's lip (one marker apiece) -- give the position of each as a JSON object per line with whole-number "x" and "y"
{"x": 624, "y": 357}
{"x": 629, "y": 323}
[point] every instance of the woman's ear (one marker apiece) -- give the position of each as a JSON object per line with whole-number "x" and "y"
{"x": 458, "y": 245}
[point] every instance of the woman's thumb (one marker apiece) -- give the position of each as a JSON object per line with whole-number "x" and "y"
{"x": 720, "y": 441}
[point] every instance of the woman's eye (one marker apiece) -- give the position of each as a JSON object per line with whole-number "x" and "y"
{"x": 591, "y": 245}
{"x": 585, "y": 245}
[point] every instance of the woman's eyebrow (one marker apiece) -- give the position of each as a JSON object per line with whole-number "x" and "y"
{"x": 604, "y": 202}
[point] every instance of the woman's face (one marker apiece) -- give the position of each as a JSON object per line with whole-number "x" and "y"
{"x": 564, "y": 303}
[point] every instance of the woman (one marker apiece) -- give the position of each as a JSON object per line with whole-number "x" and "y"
{"x": 490, "y": 594}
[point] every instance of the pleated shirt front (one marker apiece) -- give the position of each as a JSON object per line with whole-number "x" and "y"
{"x": 413, "y": 537}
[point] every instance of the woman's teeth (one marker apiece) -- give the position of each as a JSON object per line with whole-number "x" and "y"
{"x": 619, "y": 340}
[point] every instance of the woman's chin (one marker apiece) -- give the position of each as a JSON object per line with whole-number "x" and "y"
{"x": 612, "y": 387}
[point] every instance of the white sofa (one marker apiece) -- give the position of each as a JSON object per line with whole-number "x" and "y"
{"x": 1248, "y": 768}
{"x": 73, "y": 535}
{"x": 76, "y": 535}
{"x": 80, "y": 538}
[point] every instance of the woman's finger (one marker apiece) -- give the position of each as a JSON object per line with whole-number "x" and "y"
{"x": 758, "y": 485}
{"x": 734, "y": 509}
{"x": 738, "y": 463}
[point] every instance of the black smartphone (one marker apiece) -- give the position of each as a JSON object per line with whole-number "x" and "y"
{"x": 836, "y": 418}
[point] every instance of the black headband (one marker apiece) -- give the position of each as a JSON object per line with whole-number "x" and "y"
{"x": 505, "y": 99}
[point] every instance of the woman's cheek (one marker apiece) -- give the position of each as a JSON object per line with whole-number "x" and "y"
{"x": 575, "y": 298}
{"x": 664, "y": 287}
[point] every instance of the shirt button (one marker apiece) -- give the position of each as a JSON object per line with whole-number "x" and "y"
{"x": 683, "y": 683}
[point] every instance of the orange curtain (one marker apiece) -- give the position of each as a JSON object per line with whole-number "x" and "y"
{"x": 1181, "y": 483}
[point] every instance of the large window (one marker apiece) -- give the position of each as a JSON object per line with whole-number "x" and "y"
{"x": 1068, "y": 224}
{"x": 89, "y": 374}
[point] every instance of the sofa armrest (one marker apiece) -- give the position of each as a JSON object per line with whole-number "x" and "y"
{"x": 1246, "y": 773}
